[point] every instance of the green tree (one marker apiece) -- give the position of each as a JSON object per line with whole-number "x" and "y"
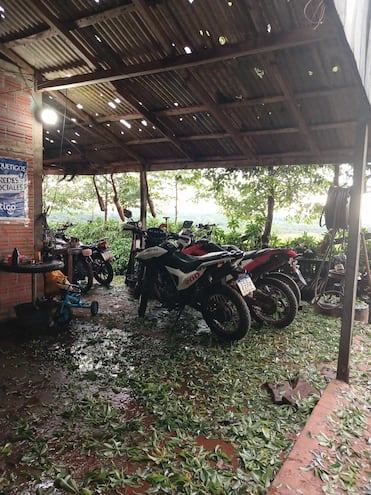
{"x": 81, "y": 194}
{"x": 253, "y": 194}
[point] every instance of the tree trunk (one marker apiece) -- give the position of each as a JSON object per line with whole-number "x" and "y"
{"x": 269, "y": 218}
{"x": 268, "y": 222}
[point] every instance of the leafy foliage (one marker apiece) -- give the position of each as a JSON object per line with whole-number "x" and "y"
{"x": 146, "y": 409}
{"x": 118, "y": 242}
{"x": 245, "y": 194}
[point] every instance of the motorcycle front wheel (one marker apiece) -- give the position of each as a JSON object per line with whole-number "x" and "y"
{"x": 226, "y": 313}
{"x": 82, "y": 274}
{"x": 145, "y": 290}
{"x": 273, "y": 302}
{"x": 102, "y": 270}
{"x": 139, "y": 277}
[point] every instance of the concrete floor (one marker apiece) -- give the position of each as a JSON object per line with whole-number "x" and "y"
{"x": 318, "y": 444}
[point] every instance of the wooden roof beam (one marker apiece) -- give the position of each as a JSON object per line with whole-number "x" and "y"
{"x": 294, "y": 109}
{"x": 260, "y": 45}
{"x": 247, "y": 102}
{"x": 74, "y": 164}
{"x": 54, "y": 22}
{"x": 81, "y": 22}
{"x": 222, "y": 118}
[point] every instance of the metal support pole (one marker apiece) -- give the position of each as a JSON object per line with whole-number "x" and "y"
{"x": 351, "y": 272}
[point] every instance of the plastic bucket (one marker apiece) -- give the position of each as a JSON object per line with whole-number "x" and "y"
{"x": 33, "y": 317}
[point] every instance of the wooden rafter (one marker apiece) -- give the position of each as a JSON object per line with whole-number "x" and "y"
{"x": 255, "y": 46}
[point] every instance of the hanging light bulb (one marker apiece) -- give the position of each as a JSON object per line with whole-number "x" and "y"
{"x": 49, "y": 116}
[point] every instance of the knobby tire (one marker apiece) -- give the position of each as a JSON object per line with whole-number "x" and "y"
{"x": 102, "y": 270}
{"x": 145, "y": 291}
{"x": 220, "y": 305}
{"x": 288, "y": 280}
{"x": 279, "y": 297}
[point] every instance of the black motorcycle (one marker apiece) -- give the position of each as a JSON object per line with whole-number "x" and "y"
{"x": 77, "y": 259}
{"x": 101, "y": 260}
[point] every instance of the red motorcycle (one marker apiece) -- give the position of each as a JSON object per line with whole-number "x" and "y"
{"x": 277, "y": 296}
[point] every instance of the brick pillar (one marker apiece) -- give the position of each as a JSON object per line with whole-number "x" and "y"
{"x": 20, "y": 139}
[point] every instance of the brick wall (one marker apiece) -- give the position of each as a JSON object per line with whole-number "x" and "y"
{"x": 16, "y": 142}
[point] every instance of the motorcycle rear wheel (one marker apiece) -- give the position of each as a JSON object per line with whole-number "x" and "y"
{"x": 288, "y": 280}
{"x": 226, "y": 313}
{"x": 273, "y": 303}
{"x": 102, "y": 270}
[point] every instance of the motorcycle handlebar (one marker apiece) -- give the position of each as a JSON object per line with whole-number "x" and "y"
{"x": 132, "y": 228}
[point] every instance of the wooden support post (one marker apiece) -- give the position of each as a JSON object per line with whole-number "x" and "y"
{"x": 143, "y": 199}
{"x": 37, "y": 143}
{"x": 351, "y": 272}
{"x": 70, "y": 252}
{"x": 368, "y": 271}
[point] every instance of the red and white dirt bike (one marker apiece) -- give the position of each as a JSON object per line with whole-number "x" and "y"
{"x": 277, "y": 296}
{"x": 180, "y": 280}
{"x": 177, "y": 280}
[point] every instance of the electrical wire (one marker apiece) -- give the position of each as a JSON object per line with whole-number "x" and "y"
{"x": 318, "y": 14}
{"x": 336, "y": 217}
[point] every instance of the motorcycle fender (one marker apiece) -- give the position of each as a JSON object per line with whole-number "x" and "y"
{"x": 107, "y": 255}
{"x": 185, "y": 280}
{"x": 151, "y": 252}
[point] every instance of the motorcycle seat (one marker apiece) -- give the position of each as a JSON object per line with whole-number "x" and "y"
{"x": 188, "y": 263}
{"x": 255, "y": 253}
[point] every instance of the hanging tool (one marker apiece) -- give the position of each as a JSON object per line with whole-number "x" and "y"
{"x": 101, "y": 202}
{"x": 149, "y": 199}
{"x": 116, "y": 200}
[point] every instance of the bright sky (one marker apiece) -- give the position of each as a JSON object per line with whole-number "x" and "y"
{"x": 188, "y": 206}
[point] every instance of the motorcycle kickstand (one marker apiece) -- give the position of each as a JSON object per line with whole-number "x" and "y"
{"x": 179, "y": 314}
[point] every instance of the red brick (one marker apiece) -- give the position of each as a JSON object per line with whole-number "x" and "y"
{"x": 16, "y": 133}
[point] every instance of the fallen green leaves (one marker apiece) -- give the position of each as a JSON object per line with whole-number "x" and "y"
{"x": 153, "y": 409}
{"x": 339, "y": 465}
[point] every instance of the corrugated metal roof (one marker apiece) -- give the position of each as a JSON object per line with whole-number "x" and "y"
{"x": 175, "y": 83}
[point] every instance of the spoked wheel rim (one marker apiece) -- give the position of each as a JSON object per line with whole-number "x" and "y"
{"x": 83, "y": 275}
{"x": 273, "y": 303}
{"x": 102, "y": 271}
{"x": 226, "y": 313}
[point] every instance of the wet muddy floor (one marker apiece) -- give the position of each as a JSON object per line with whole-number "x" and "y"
{"x": 116, "y": 404}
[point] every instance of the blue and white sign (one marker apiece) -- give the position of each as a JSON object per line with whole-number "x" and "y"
{"x": 13, "y": 188}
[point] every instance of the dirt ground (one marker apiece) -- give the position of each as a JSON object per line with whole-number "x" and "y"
{"x": 40, "y": 375}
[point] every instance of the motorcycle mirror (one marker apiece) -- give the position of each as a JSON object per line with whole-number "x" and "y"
{"x": 127, "y": 213}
